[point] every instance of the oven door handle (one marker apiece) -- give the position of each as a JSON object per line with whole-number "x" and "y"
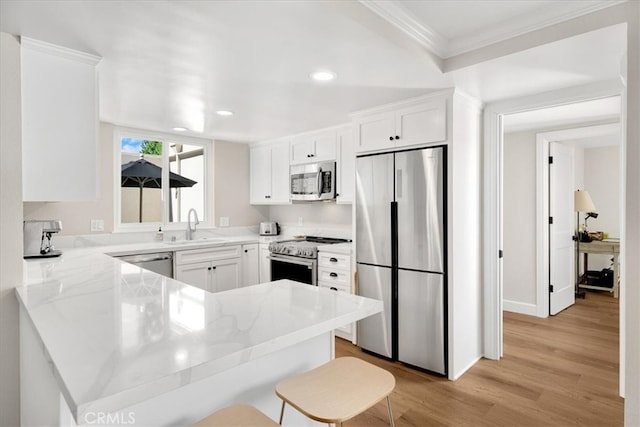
{"x": 308, "y": 264}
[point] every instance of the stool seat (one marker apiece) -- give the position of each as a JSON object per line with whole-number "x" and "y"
{"x": 237, "y": 416}
{"x": 338, "y": 390}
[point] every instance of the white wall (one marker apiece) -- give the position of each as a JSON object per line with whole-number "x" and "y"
{"x": 10, "y": 227}
{"x": 630, "y": 315}
{"x": 324, "y": 215}
{"x": 519, "y": 211}
{"x": 231, "y": 186}
{"x": 76, "y": 216}
{"x": 231, "y": 191}
{"x": 602, "y": 180}
{"x": 463, "y": 204}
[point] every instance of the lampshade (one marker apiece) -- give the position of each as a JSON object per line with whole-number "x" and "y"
{"x": 582, "y": 202}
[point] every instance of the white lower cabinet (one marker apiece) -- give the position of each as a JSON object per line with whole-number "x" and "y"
{"x": 265, "y": 263}
{"x": 250, "y": 265}
{"x": 334, "y": 272}
{"x": 211, "y": 269}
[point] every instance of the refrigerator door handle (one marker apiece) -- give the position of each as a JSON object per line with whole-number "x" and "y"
{"x": 399, "y": 183}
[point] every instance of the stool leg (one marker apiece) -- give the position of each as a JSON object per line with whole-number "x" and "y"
{"x": 281, "y": 412}
{"x": 391, "y": 423}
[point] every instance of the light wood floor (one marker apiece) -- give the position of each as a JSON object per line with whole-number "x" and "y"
{"x": 559, "y": 371}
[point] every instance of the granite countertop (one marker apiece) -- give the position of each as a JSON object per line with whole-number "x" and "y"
{"x": 117, "y": 334}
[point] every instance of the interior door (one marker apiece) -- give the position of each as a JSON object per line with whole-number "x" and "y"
{"x": 561, "y": 246}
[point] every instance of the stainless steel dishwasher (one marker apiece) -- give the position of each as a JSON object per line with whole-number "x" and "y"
{"x": 158, "y": 262}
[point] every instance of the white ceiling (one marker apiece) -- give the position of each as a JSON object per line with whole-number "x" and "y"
{"x": 174, "y": 63}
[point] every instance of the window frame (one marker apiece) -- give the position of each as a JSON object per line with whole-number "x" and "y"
{"x": 165, "y": 139}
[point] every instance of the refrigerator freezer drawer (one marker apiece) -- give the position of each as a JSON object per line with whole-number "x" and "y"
{"x": 421, "y": 320}
{"x": 374, "y": 332}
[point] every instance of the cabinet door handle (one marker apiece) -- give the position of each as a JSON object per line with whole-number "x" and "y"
{"x": 209, "y": 268}
{"x": 332, "y": 259}
{"x": 390, "y": 138}
{"x": 333, "y": 274}
{"x": 397, "y": 137}
{"x": 213, "y": 267}
{"x": 246, "y": 250}
{"x": 333, "y": 288}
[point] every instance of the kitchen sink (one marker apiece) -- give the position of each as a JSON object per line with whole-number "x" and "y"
{"x": 195, "y": 241}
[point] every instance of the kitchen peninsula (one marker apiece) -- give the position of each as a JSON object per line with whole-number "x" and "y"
{"x": 106, "y": 342}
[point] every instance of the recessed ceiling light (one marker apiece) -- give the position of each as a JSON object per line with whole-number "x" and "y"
{"x": 323, "y": 76}
{"x": 180, "y": 129}
{"x": 224, "y": 113}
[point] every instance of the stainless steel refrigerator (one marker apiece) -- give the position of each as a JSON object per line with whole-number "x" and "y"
{"x": 401, "y": 255}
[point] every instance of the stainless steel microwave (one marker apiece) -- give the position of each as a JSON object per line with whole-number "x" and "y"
{"x": 314, "y": 181}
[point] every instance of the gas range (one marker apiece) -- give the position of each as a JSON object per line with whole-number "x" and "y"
{"x": 303, "y": 248}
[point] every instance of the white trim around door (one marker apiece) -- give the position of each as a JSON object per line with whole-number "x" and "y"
{"x": 492, "y": 190}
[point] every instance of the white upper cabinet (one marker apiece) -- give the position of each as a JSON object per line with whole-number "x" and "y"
{"x": 375, "y": 132}
{"x": 313, "y": 147}
{"x": 59, "y": 123}
{"x": 269, "y": 174}
{"x": 416, "y": 122}
{"x": 346, "y": 166}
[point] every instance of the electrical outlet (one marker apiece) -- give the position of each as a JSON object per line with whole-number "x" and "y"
{"x": 97, "y": 225}
{"x": 224, "y": 221}
{"x": 300, "y": 221}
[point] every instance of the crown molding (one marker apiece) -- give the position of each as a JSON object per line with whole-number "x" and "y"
{"x": 528, "y": 24}
{"x": 397, "y": 16}
{"x": 445, "y": 48}
{"x": 59, "y": 51}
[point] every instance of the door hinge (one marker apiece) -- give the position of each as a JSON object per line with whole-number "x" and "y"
{"x": 500, "y": 253}
{"x": 550, "y": 220}
{"x": 550, "y": 288}
{"x": 550, "y": 160}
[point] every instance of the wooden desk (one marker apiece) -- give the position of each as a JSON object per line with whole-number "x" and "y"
{"x": 611, "y": 247}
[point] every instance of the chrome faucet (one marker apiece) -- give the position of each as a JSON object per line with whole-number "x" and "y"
{"x": 196, "y": 222}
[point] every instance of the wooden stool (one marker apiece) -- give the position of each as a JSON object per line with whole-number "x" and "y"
{"x": 337, "y": 391}
{"x": 237, "y": 416}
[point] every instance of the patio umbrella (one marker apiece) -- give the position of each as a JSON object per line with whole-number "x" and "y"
{"x": 143, "y": 174}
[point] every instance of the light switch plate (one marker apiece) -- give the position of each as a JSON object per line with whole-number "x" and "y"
{"x": 97, "y": 225}
{"x": 224, "y": 221}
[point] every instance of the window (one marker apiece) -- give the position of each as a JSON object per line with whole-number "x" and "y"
{"x": 159, "y": 179}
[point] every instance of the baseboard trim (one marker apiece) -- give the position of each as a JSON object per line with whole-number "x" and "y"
{"x": 520, "y": 307}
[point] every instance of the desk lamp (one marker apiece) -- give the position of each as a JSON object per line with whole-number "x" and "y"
{"x": 581, "y": 203}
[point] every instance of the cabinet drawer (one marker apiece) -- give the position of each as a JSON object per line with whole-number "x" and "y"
{"x": 335, "y": 286}
{"x": 328, "y": 259}
{"x": 334, "y": 276}
{"x": 206, "y": 254}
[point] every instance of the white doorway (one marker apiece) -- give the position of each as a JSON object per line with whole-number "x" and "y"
{"x": 493, "y": 184}
{"x": 526, "y": 211}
